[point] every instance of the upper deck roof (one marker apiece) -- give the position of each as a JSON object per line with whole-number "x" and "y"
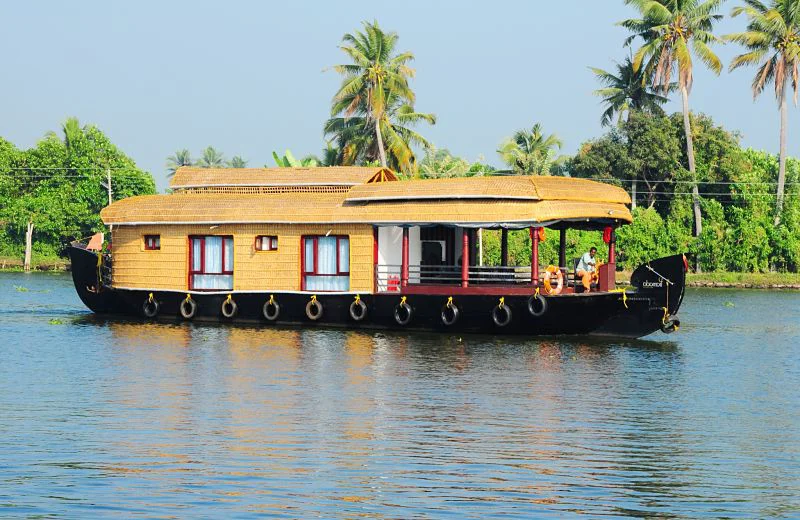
{"x": 187, "y": 177}
{"x": 534, "y": 188}
{"x": 512, "y": 202}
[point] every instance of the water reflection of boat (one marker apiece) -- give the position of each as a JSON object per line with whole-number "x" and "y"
{"x": 352, "y": 247}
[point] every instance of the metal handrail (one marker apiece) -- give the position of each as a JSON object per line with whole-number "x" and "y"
{"x": 388, "y": 276}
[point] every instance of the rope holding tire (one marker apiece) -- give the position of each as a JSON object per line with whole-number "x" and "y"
{"x": 537, "y": 304}
{"x": 150, "y": 306}
{"x": 229, "y": 307}
{"x": 450, "y": 312}
{"x": 358, "y": 309}
{"x": 188, "y": 308}
{"x": 271, "y": 309}
{"x": 669, "y": 323}
{"x": 313, "y": 309}
{"x": 501, "y": 313}
{"x": 403, "y": 312}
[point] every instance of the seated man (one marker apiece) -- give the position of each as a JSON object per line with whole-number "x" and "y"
{"x": 586, "y": 268}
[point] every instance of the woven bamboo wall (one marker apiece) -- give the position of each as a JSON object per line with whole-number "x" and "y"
{"x": 252, "y": 270}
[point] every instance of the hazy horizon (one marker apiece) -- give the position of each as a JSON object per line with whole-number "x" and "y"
{"x": 250, "y": 78}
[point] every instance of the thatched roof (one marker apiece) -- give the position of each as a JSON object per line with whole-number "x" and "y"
{"x": 188, "y": 177}
{"x": 493, "y": 187}
{"x": 512, "y": 202}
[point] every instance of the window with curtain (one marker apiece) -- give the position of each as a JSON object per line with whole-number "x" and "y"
{"x": 326, "y": 263}
{"x": 266, "y": 243}
{"x": 152, "y": 242}
{"x": 211, "y": 263}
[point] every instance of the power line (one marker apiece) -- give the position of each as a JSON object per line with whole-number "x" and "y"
{"x": 726, "y": 183}
{"x": 97, "y": 168}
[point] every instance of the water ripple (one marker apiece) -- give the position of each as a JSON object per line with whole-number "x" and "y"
{"x": 114, "y": 418}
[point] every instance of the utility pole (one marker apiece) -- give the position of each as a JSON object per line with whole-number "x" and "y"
{"x": 107, "y": 186}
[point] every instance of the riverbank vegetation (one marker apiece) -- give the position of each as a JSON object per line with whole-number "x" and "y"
{"x": 53, "y": 192}
{"x": 694, "y": 188}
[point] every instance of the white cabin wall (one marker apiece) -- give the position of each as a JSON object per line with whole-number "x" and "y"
{"x": 390, "y": 248}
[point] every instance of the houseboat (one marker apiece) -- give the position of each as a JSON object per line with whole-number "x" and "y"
{"x": 356, "y": 247}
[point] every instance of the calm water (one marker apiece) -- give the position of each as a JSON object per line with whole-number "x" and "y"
{"x": 120, "y": 419}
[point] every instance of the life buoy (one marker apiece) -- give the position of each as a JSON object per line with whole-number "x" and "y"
{"x": 188, "y": 307}
{"x": 314, "y": 309}
{"x": 403, "y": 312}
{"x": 537, "y": 305}
{"x": 358, "y": 309}
{"x": 271, "y": 309}
{"x": 501, "y": 313}
{"x": 150, "y": 306}
{"x": 548, "y": 287}
{"x": 450, "y": 312}
{"x": 229, "y": 307}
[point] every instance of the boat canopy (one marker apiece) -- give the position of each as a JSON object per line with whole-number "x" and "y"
{"x": 288, "y": 196}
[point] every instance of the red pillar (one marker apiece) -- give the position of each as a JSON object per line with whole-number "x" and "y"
{"x": 535, "y": 256}
{"x": 404, "y": 266}
{"x": 611, "y": 253}
{"x": 611, "y": 281}
{"x": 465, "y": 259}
{"x": 375, "y": 259}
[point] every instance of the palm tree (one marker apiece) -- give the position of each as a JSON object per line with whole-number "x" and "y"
{"x": 357, "y": 143}
{"x": 375, "y": 89}
{"x": 626, "y": 91}
{"x": 237, "y": 162}
{"x": 211, "y": 158}
{"x": 668, "y": 28}
{"x": 329, "y": 155}
{"x": 772, "y": 40}
{"x": 531, "y": 151}
{"x": 178, "y": 159}
{"x": 72, "y": 132}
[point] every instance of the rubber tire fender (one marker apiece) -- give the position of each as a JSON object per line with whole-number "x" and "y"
{"x": 456, "y": 313}
{"x": 357, "y": 307}
{"x": 496, "y": 312}
{"x": 271, "y": 316}
{"x": 541, "y": 302}
{"x": 188, "y": 314}
{"x": 150, "y": 308}
{"x": 233, "y": 309}
{"x": 314, "y": 304}
{"x": 403, "y": 307}
{"x": 671, "y": 324}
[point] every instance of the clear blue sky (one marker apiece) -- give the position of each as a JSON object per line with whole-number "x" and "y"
{"x": 248, "y": 77}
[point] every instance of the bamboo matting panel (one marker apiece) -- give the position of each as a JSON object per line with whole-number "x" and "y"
{"x": 188, "y": 176}
{"x": 264, "y": 190}
{"x": 253, "y": 270}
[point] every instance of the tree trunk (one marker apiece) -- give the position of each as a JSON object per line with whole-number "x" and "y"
{"x": 687, "y": 128}
{"x": 781, "y": 161}
{"x": 28, "y": 245}
{"x": 633, "y": 194}
{"x": 378, "y": 136}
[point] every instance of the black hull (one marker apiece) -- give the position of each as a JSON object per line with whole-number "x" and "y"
{"x": 636, "y": 313}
